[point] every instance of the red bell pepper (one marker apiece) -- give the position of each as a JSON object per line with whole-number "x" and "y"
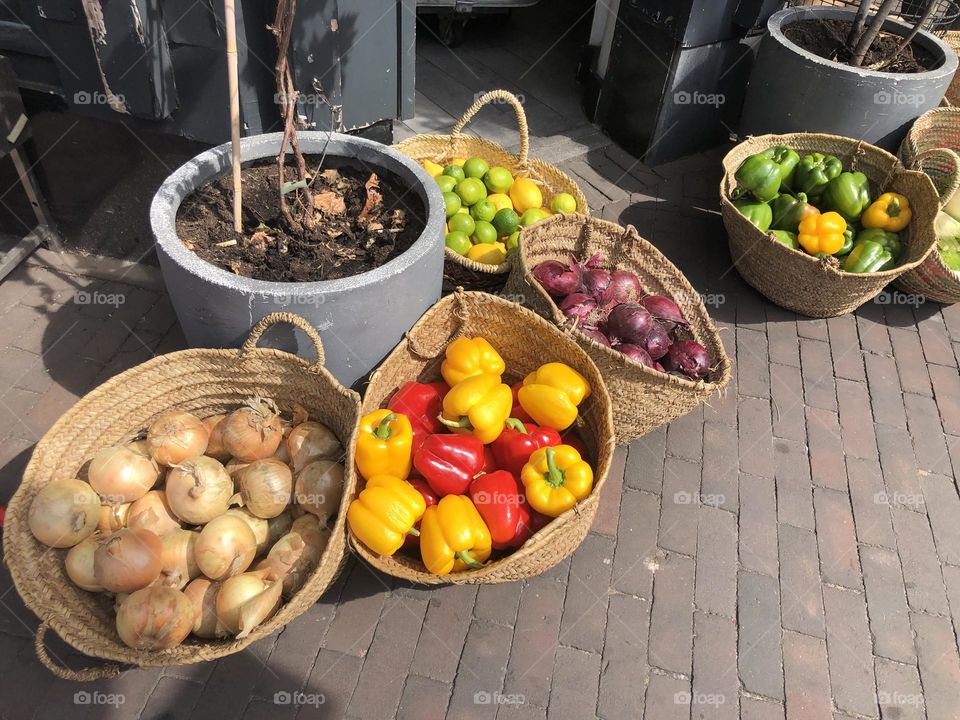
{"x": 518, "y": 412}
{"x": 538, "y": 521}
{"x": 449, "y": 462}
{"x": 573, "y": 440}
{"x": 429, "y": 497}
{"x": 518, "y": 441}
{"x": 497, "y": 497}
{"x": 489, "y": 460}
{"x": 421, "y": 403}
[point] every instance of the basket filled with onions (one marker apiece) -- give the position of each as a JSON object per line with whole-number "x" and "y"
{"x": 631, "y": 309}
{"x": 187, "y": 507}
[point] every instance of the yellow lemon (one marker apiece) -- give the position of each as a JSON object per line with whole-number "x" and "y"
{"x": 500, "y": 201}
{"x": 563, "y": 202}
{"x": 488, "y": 253}
{"x": 433, "y": 168}
{"x": 525, "y": 195}
{"x": 458, "y": 161}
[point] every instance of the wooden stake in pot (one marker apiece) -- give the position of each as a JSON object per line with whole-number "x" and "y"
{"x": 234, "y": 86}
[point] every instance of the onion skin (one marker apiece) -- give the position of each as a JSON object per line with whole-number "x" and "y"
{"x": 155, "y": 618}
{"x": 215, "y": 448}
{"x": 202, "y": 593}
{"x": 636, "y": 353}
{"x": 320, "y": 487}
{"x": 259, "y": 526}
{"x": 198, "y": 490}
{"x": 311, "y": 441}
{"x": 179, "y": 562}
{"x": 253, "y": 432}
{"x": 64, "y": 512}
{"x": 629, "y": 323}
{"x": 122, "y": 475}
{"x": 266, "y": 487}
{"x": 595, "y": 282}
{"x": 578, "y": 307}
{"x": 657, "y": 342}
{"x": 152, "y": 512}
{"x": 113, "y": 517}
{"x": 245, "y": 601}
{"x": 688, "y": 358}
{"x": 295, "y": 556}
{"x": 79, "y": 565}
{"x": 128, "y": 560}
{"x": 624, "y": 287}
{"x": 175, "y": 436}
{"x": 595, "y": 335}
{"x": 558, "y": 278}
{"x": 665, "y": 310}
{"x": 225, "y": 548}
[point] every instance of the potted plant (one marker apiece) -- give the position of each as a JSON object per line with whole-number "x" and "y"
{"x": 344, "y": 231}
{"x": 846, "y": 72}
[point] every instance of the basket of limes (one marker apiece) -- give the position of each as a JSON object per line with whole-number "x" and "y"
{"x": 490, "y": 196}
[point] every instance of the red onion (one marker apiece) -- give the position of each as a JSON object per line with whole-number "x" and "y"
{"x": 687, "y": 357}
{"x": 635, "y": 353}
{"x": 595, "y": 282}
{"x": 629, "y": 323}
{"x": 624, "y": 287}
{"x": 578, "y": 306}
{"x": 657, "y": 342}
{"x": 595, "y": 335}
{"x": 665, "y": 310}
{"x": 658, "y": 366}
{"x": 558, "y": 278}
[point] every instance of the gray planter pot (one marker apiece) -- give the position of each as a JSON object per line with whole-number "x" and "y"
{"x": 360, "y": 318}
{"x": 792, "y": 90}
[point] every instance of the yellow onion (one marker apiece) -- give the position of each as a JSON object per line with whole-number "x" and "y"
{"x": 234, "y": 467}
{"x": 153, "y": 513}
{"x": 79, "y": 565}
{"x": 175, "y": 436}
{"x": 295, "y": 556}
{"x": 278, "y": 527}
{"x": 198, "y": 490}
{"x": 225, "y": 548}
{"x": 155, "y": 618}
{"x": 202, "y": 592}
{"x": 179, "y": 562}
{"x": 282, "y": 454}
{"x": 113, "y": 517}
{"x": 215, "y": 448}
{"x": 128, "y": 560}
{"x": 140, "y": 447}
{"x": 118, "y": 599}
{"x": 122, "y": 475}
{"x": 266, "y": 487}
{"x": 246, "y": 600}
{"x": 311, "y": 441}
{"x": 320, "y": 487}
{"x": 253, "y": 432}
{"x": 64, "y": 512}
{"x": 260, "y": 527}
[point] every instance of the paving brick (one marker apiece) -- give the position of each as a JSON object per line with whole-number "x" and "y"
{"x": 645, "y": 458}
{"x": 801, "y": 603}
{"x": 574, "y": 692}
{"x": 951, "y": 319}
{"x": 517, "y": 711}
{"x": 423, "y": 698}
{"x": 885, "y": 396}
{"x": 918, "y": 559}
{"x": 827, "y": 467}
{"x": 636, "y": 546}
{"x": 358, "y": 612}
{"x": 25, "y": 328}
{"x": 928, "y": 441}
{"x": 480, "y": 675}
{"x": 172, "y": 698}
{"x": 794, "y": 487}
{"x": 943, "y": 509}
{"x": 946, "y": 387}
{"x": 530, "y": 668}
{"x": 856, "y": 419}
{"x": 334, "y": 676}
{"x": 887, "y": 605}
{"x": 759, "y": 653}
{"x": 715, "y": 687}
{"x": 758, "y": 525}
{"x": 837, "y": 539}
{"x": 849, "y": 651}
{"x": 624, "y": 670}
{"x": 870, "y": 503}
{"x": 753, "y": 363}
{"x": 752, "y": 708}
{"x": 935, "y": 341}
{"x": 782, "y": 341}
{"x": 498, "y": 603}
{"x": 939, "y": 665}
{"x": 723, "y": 408}
{"x": 819, "y": 387}
{"x": 805, "y": 677}
{"x": 585, "y": 606}
{"x": 872, "y": 328}
{"x": 668, "y": 698}
{"x": 911, "y": 364}
{"x": 899, "y": 465}
{"x": 756, "y": 437}
{"x": 671, "y": 619}
{"x": 716, "y": 581}
{"x": 845, "y": 348}
{"x": 898, "y": 691}
{"x": 678, "y": 511}
{"x": 15, "y": 406}
{"x": 608, "y": 512}
{"x": 441, "y": 640}
{"x": 685, "y": 436}
{"x": 813, "y": 328}
{"x": 269, "y": 710}
{"x": 241, "y": 670}
{"x": 719, "y": 476}
{"x": 786, "y": 390}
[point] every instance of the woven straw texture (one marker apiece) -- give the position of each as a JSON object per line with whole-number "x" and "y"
{"x": 643, "y": 398}
{"x": 800, "y": 282}
{"x": 931, "y": 146}
{"x": 458, "y": 270}
{"x": 952, "y": 39}
{"x": 525, "y": 341}
{"x": 203, "y": 382}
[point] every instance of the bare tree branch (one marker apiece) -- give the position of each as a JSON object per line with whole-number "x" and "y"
{"x": 873, "y": 29}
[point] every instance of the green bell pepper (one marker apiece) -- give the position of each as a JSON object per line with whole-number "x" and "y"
{"x": 759, "y": 213}
{"x": 786, "y": 238}
{"x": 788, "y": 211}
{"x": 889, "y": 240}
{"x": 759, "y": 176}
{"x": 867, "y": 257}
{"x": 813, "y": 172}
{"x": 847, "y": 243}
{"x": 849, "y": 194}
{"x": 786, "y": 160}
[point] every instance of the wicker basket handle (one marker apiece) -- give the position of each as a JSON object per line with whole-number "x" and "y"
{"x": 65, "y": 673}
{"x": 460, "y": 314}
{"x": 946, "y": 158}
{"x": 291, "y": 319}
{"x": 517, "y": 109}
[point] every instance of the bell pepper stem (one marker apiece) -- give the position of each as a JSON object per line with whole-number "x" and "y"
{"x": 413, "y": 531}
{"x": 467, "y": 558}
{"x": 554, "y": 476}
{"x": 383, "y": 430}
{"x": 463, "y": 422}
{"x": 516, "y": 425}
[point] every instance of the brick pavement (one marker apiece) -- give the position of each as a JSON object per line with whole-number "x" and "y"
{"x": 790, "y": 551}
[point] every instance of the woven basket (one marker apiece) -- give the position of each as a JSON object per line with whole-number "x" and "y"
{"x": 952, "y": 39}
{"x": 203, "y": 382}
{"x": 458, "y": 271}
{"x": 525, "y": 341}
{"x": 643, "y": 398}
{"x": 800, "y": 282}
{"x": 931, "y": 146}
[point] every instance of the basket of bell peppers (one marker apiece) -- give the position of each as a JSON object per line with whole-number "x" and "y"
{"x": 838, "y": 206}
{"x": 487, "y": 461}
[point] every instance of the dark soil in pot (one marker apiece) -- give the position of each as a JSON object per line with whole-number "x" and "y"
{"x": 828, "y": 39}
{"x": 363, "y": 220}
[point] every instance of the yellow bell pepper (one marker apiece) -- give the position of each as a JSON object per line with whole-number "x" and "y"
{"x": 822, "y": 234}
{"x": 555, "y": 479}
{"x": 480, "y": 405}
{"x": 385, "y": 512}
{"x": 384, "y": 444}
{"x": 466, "y": 357}
{"x": 551, "y": 394}
{"x": 890, "y": 211}
{"x": 453, "y": 536}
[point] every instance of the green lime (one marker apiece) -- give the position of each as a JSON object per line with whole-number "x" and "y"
{"x": 458, "y": 241}
{"x": 506, "y": 222}
{"x": 484, "y": 210}
{"x": 563, "y": 202}
{"x": 512, "y": 242}
{"x": 498, "y": 179}
{"x": 533, "y": 215}
{"x": 462, "y": 222}
{"x": 471, "y": 191}
{"x": 446, "y": 183}
{"x": 484, "y": 232}
{"x": 452, "y": 203}
{"x": 475, "y": 167}
{"x": 454, "y": 171}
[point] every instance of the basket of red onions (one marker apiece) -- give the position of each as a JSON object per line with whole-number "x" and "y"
{"x": 631, "y": 309}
